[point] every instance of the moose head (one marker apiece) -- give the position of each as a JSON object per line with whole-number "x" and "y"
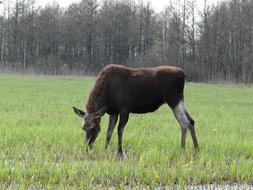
{"x": 91, "y": 123}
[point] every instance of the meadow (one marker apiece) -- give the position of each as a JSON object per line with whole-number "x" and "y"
{"x": 42, "y": 143}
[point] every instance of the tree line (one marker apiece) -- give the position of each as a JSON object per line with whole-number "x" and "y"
{"x": 215, "y": 43}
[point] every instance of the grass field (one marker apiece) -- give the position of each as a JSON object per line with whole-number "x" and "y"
{"x": 42, "y": 145}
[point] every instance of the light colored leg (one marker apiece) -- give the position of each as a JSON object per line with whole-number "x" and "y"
{"x": 182, "y": 119}
{"x": 194, "y": 137}
{"x": 192, "y": 129}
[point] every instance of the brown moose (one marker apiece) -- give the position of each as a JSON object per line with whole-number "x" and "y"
{"x": 120, "y": 90}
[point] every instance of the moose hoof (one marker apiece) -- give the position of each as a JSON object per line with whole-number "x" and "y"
{"x": 196, "y": 149}
{"x": 122, "y": 155}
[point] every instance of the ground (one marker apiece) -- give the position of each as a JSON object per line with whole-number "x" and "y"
{"x": 42, "y": 143}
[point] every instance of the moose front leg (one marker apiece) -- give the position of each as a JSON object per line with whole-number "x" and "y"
{"x": 122, "y": 123}
{"x": 112, "y": 122}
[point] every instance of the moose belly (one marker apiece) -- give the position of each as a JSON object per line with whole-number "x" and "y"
{"x": 146, "y": 105}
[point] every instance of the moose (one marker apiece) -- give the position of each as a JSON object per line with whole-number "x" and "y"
{"x": 121, "y": 90}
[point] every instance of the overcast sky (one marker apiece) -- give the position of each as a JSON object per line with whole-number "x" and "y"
{"x": 158, "y": 5}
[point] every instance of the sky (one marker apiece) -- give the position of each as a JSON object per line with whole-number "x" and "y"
{"x": 158, "y": 5}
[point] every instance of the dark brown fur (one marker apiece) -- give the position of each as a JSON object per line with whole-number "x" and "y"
{"x": 121, "y": 90}
{"x": 136, "y": 90}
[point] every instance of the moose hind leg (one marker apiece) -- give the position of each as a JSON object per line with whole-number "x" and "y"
{"x": 112, "y": 122}
{"x": 192, "y": 130}
{"x": 182, "y": 119}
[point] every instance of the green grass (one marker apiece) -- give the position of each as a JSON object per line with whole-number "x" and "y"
{"x": 42, "y": 145}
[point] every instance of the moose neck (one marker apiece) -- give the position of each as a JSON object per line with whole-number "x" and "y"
{"x": 97, "y": 98}
{"x": 95, "y": 102}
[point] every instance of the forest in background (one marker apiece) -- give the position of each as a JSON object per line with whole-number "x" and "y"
{"x": 215, "y": 43}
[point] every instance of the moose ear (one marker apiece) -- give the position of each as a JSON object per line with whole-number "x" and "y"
{"x": 79, "y": 112}
{"x": 100, "y": 112}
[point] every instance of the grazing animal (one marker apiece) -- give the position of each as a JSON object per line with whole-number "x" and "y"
{"x": 120, "y": 90}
